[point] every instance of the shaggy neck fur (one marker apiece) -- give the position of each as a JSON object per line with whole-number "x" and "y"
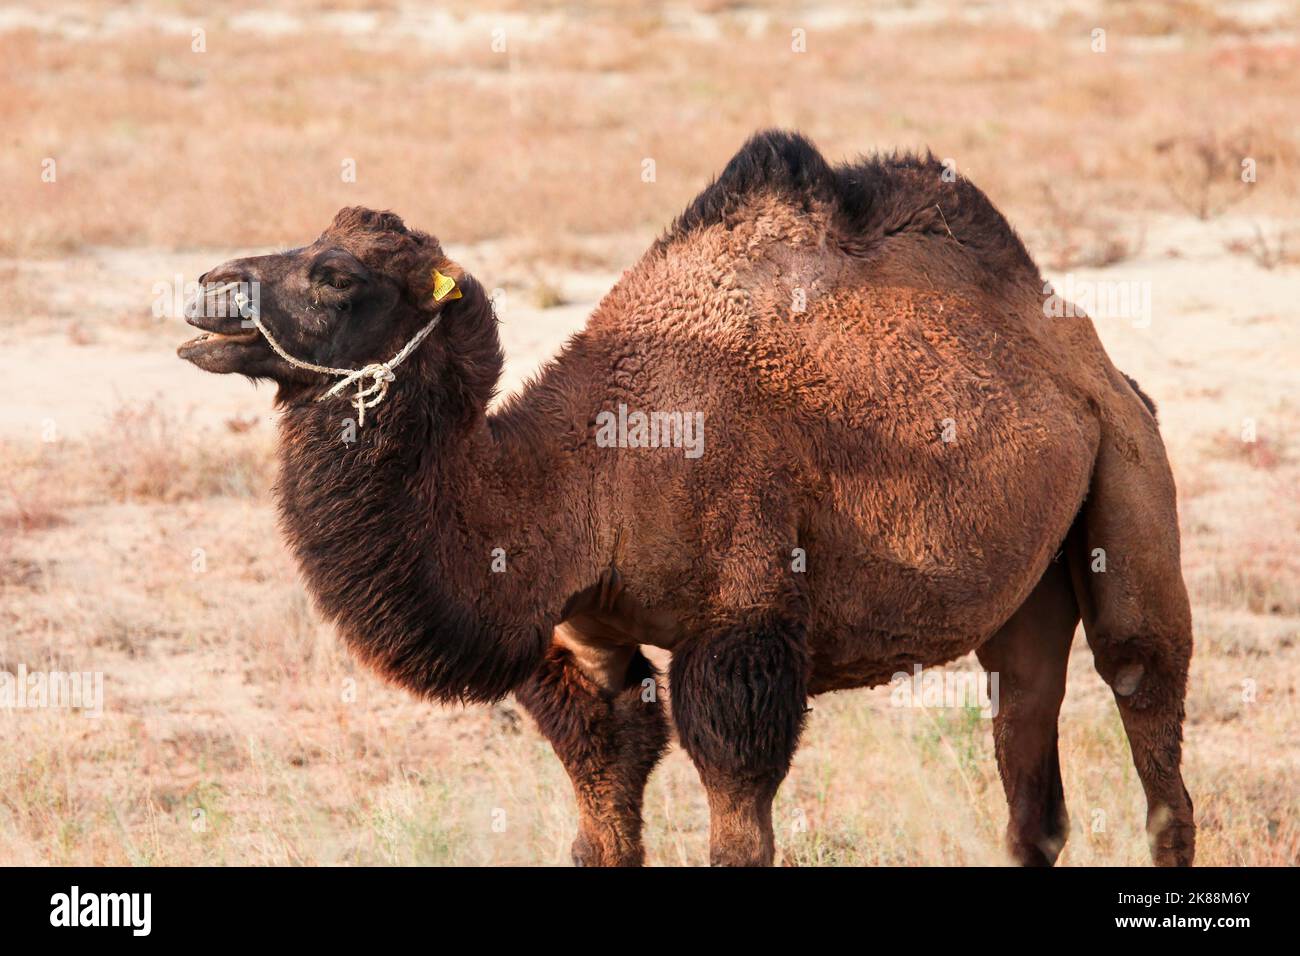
{"x": 397, "y": 532}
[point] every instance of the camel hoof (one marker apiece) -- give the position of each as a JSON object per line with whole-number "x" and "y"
{"x": 1175, "y": 845}
{"x": 1042, "y": 853}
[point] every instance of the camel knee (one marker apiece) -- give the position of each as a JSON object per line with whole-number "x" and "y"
{"x": 739, "y": 701}
{"x": 1124, "y": 562}
{"x": 1147, "y": 672}
{"x": 1144, "y": 670}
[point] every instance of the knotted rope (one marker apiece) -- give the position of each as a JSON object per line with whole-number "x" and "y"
{"x": 379, "y": 374}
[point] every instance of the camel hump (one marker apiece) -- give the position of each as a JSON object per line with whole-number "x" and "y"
{"x": 771, "y": 162}
{"x": 871, "y": 200}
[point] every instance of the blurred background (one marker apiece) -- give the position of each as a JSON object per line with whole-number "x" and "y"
{"x": 546, "y": 144}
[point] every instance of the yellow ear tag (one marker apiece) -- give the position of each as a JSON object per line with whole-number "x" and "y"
{"x": 444, "y": 287}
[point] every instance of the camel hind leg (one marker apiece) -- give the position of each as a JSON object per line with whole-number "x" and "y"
{"x": 1030, "y": 656}
{"x": 1124, "y": 562}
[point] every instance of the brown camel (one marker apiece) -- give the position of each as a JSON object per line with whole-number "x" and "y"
{"x": 901, "y": 456}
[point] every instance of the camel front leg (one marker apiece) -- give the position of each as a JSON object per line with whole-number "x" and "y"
{"x": 739, "y": 702}
{"x": 609, "y": 731}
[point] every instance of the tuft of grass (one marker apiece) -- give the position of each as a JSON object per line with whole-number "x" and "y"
{"x": 547, "y": 295}
{"x": 144, "y": 453}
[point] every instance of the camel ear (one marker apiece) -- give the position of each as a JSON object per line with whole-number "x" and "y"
{"x": 444, "y": 287}
{"x": 445, "y": 282}
{"x": 449, "y": 288}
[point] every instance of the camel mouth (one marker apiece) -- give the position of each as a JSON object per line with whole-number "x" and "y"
{"x": 228, "y": 326}
{"x": 221, "y": 338}
{"x": 216, "y": 351}
{"x": 217, "y": 331}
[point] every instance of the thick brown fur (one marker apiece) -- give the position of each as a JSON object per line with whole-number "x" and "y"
{"x": 898, "y": 442}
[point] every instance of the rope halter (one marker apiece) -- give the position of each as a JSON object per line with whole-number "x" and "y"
{"x": 372, "y": 380}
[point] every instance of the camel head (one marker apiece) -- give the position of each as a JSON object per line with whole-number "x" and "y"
{"x": 354, "y": 296}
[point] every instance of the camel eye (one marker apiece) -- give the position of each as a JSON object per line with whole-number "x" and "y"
{"x": 341, "y": 282}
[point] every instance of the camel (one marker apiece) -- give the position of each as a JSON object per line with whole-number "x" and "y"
{"x": 905, "y": 457}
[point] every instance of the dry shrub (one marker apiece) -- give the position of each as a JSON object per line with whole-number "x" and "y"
{"x": 147, "y": 453}
{"x": 30, "y": 503}
{"x": 1078, "y": 235}
{"x": 1203, "y": 171}
{"x": 80, "y": 333}
{"x": 238, "y": 424}
{"x": 1268, "y": 252}
{"x": 1195, "y": 18}
{"x": 547, "y": 294}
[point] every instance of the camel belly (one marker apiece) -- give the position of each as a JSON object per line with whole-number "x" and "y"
{"x": 934, "y": 529}
{"x": 924, "y": 564}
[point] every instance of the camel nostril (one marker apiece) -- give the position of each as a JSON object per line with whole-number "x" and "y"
{"x": 225, "y": 292}
{"x": 220, "y": 277}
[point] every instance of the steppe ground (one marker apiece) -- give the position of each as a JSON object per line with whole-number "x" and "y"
{"x": 137, "y": 534}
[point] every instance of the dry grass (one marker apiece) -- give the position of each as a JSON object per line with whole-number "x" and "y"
{"x": 549, "y": 135}
{"x": 143, "y": 454}
{"x": 141, "y": 540}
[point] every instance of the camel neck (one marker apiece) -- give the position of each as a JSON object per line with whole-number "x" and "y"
{"x": 423, "y": 542}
